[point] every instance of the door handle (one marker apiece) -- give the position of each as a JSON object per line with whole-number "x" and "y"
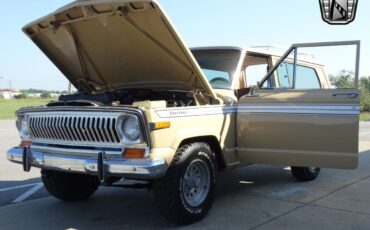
{"x": 350, "y": 95}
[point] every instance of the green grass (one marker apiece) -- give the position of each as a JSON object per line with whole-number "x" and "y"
{"x": 365, "y": 116}
{"x": 8, "y": 107}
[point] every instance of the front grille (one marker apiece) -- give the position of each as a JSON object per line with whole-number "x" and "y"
{"x": 84, "y": 128}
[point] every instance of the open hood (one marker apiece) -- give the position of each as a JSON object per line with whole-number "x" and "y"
{"x": 104, "y": 45}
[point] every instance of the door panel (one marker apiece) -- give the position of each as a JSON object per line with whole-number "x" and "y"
{"x": 307, "y": 127}
{"x": 299, "y": 128}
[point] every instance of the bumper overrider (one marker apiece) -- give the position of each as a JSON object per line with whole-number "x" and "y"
{"x": 92, "y": 163}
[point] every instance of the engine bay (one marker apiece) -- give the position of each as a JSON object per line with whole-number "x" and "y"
{"x": 127, "y": 97}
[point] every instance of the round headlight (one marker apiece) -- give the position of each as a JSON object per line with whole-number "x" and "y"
{"x": 131, "y": 129}
{"x": 24, "y": 132}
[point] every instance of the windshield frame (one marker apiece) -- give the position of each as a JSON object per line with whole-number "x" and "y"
{"x": 235, "y": 74}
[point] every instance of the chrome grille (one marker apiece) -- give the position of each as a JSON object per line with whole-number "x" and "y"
{"x": 84, "y": 128}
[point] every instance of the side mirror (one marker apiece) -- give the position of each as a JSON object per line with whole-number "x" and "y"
{"x": 254, "y": 90}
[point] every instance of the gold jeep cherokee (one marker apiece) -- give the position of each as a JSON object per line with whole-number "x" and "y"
{"x": 148, "y": 109}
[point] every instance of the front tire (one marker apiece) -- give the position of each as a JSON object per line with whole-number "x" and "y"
{"x": 305, "y": 173}
{"x": 69, "y": 186}
{"x": 186, "y": 194}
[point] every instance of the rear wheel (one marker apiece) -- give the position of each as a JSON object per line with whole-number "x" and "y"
{"x": 305, "y": 173}
{"x": 186, "y": 193}
{"x": 69, "y": 186}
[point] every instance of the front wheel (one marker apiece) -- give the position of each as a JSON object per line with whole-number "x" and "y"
{"x": 305, "y": 173}
{"x": 69, "y": 186}
{"x": 186, "y": 194}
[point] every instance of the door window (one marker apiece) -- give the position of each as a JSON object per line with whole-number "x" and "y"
{"x": 306, "y": 77}
{"x": 284, "y": 76}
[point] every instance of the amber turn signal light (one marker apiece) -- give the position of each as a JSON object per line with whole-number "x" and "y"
{"x": 134, "y": 153}
{"x": 160, "y": 125}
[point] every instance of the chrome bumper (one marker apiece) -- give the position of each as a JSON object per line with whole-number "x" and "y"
{"x": 88, "y": 164}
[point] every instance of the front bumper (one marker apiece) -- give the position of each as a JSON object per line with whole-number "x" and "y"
{"x": 145, "y": 168}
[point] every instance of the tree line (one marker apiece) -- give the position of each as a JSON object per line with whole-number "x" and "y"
{"x": 345, "y": 80}
{"x": 25, "y": 93}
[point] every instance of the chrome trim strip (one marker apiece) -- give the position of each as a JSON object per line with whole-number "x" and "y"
{"x": 332, "y": 109}
{"x": 111, "y": 127}
{"x": 295, "y": 112}
{"x": 319, "y": 109}
{"x": 84, "y": 126}
{"x": 200, "y": 111}
{"x": 101, "y": 129}
{"x": 90, "y": 128}
{"x": 77, "y": 143}
{"x": 75, "y": 151}
{"x": 350, "y": 107}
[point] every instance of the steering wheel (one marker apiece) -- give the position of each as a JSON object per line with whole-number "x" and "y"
{"x": 220, "y": 81}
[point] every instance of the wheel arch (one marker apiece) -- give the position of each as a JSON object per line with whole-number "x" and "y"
{"x": 213, "y": 143}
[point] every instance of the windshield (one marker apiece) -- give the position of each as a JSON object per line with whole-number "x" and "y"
{"x": 218, "y": 65}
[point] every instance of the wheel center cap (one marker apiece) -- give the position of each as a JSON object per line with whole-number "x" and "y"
{"x": 197, "y": 182}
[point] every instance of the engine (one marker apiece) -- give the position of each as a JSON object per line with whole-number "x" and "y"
{"x": 126, "y": 97}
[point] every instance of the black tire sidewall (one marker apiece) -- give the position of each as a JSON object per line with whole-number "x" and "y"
{"x": 168, "y": 190}
{"x": 304, "y": 173}
{"x": 69, "y": 186}
{"x": 206, "y": 156}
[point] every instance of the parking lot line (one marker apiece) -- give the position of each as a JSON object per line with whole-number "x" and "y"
{"x": 17, "y": 187}
{"x": 28, "y": 193}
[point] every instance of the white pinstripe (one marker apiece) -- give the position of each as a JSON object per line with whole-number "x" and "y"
{"x": 282, "y": 108}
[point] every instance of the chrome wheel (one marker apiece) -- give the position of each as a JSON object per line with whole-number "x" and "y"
{"x": 196, "y": 183}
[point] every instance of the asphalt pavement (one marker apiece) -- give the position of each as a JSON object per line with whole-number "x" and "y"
{"x": 15, "y": 185}
{"x": 254, "y": 197}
